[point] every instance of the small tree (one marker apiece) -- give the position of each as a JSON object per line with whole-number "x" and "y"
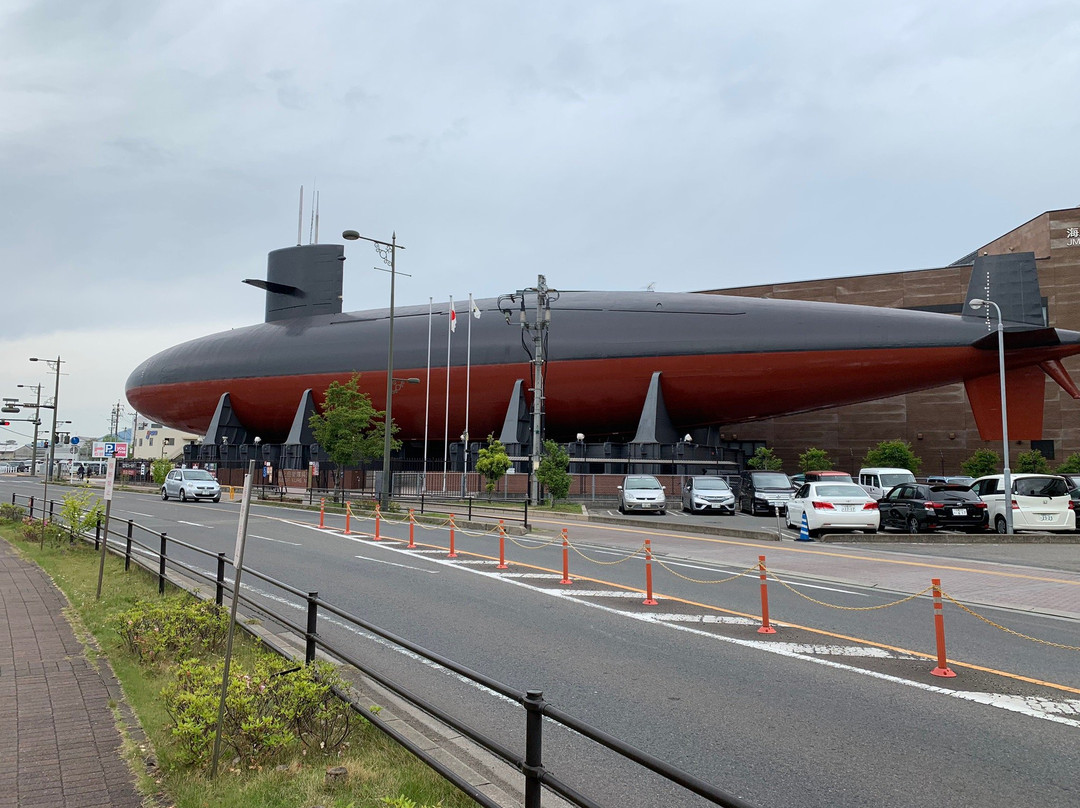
{"x": 159, "y": 470}
{"x": 896, "y": 454}
{"x": 492, "y": 462}
{"x": 981, "y": 463}
{"x": 349, "y": 428}
{"x": 553, "y": 474}
{"x": 81, "y": 511}
{"x": 1071, "y": 464}
{"x": 815, "y": 460}
{"x": 1032, "y": 462}
{"x": 765, "y": 460}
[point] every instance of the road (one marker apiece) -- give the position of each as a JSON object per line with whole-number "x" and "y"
{"x": 838, "y": 708}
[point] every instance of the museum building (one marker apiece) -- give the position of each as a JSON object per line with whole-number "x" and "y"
{"x": 938, "y": 422}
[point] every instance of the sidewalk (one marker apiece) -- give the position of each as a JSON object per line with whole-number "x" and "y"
{"x": 59, "y": 744}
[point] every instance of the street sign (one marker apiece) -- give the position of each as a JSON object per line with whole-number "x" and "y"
{"x": 75, "y": 440}
{"x": 108, "y": 449}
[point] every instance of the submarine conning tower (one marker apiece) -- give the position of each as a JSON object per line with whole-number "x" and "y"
{"x": 302, "y": 281}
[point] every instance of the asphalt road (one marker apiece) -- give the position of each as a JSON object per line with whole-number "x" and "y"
{"x": 836, "y": 709}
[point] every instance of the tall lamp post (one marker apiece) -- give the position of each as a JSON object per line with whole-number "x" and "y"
{"x": 978, "y": 303}
{"x": 387, "y": 253}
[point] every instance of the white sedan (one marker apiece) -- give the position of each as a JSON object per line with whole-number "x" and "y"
{"x": 833, "y": 506}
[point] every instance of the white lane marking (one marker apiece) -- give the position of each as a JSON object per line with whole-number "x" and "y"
{"x": 395, "y": 564}
{"x": 478, "y": 562}
{"x": 279, "y": 541}
{"x": 194, "y": 524}
{"x": 544, "y": 575}
{"x": 701, "y": 618}
{"x": 147, "y": 515}
{"x": 1045, "y": 709}
{"x": 602, "y": 593}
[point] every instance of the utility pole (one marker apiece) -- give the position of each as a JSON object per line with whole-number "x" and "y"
{"x": 544, "y": 298}
{"x": 37, "y": 422}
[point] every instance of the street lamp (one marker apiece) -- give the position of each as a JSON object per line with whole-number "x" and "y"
{"x": 387, "y": 253}
{"x": 54, "y": 365}
{"x": 978, "y": 303}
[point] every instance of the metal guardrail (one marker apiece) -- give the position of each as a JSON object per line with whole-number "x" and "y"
{"x": 157, "y": 561}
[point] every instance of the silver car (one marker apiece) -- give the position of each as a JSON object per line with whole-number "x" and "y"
{"x": 642, "y": 492}
{"x": 703, "y": 494}
{"x": 191, "y": 484}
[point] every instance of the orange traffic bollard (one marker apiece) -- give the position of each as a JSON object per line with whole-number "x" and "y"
{"x": 322, "y": 512}
{"x": 348, "y": 515}
{"x": 378, "y": 518}
{"x": 765, "y": 627}
{"x": 452, "y": 553}
{"x": 942, "y": 668}
{"x": 502, "y": 548}
{"x": 412, "y": 530}
{"x": 649, "y": 599}
{"x": 566, "y": 559}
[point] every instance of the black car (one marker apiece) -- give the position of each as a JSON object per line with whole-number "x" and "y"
{"x": 921, "y": 508}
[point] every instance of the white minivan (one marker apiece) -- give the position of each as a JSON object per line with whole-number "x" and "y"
{"x": 878, "y": 481}
{"x": 1039, "y": 502}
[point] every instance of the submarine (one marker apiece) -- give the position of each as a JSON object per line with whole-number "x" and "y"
{"x": 702, "y": 360}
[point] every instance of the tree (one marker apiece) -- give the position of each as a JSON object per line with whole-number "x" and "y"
{"x": 1071, "y": 464}
{"x": 894, "y": 454}
{"x": 815, "y": 460}
{"x": 765, "y": 460}
{"x": 492, "y": 462}
{"x": 159, "y": 470}
{"x": 349, "y": 428}
{"x": 983, "y": 462}
{"x": 1032, "y": 462}
{"x": 553, "y": 474}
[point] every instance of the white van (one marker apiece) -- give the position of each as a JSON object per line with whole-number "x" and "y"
{"x": 878, "y": 481}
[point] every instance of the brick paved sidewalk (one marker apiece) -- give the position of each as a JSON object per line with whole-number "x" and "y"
{"x": 59, "y": 745}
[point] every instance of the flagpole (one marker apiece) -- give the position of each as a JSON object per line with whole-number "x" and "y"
{"x": 427, "y": 398}
{"x": 446, "y": 424}
{"x": 468, "y": 373}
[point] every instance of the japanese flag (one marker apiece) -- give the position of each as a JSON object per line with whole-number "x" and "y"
{"x": 453, "y": 319}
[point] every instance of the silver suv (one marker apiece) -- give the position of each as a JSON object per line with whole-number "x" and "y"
{"x": 191, "y": 484}
{"x": 642, "y": 492}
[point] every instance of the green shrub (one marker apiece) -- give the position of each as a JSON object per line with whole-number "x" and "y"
{"x": 815, "y": 460}
{"x": 1070, "y": 465}
{"x": 765, "y": 459}
{"x": 896, "y": 454}
{"x": 81, "y": 510}
{"x": 981, "y": 463}
{"x": 268, "y": 710}
{"x": 158, "y": 632}
{"x": 12, "y": 513}
{"x": 1032, "y": 462}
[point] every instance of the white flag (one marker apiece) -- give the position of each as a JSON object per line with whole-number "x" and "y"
{"x": 475, "y": 309}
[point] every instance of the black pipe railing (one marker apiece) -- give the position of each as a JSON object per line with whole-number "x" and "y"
{"x": 530, "y": 764}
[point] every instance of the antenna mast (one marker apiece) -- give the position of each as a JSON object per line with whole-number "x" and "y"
{"x": 300, "y": 219}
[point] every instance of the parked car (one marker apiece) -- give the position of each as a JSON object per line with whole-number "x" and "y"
{"x": 191, "y": 484}
{"x": 833, "y": 506}
{"x": 922, "y": 508}
{"x": 819, "y": 476}
{"x": 959, "y": 479}
{"x": 764, "y": 492}
{"x": 703, "y": 494}
{"x": 642, "y": 492}
{"x": 1039, "y": 502}
{"x": 878, "y": 481}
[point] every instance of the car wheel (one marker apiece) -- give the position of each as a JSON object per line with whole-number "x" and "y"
{"x": 1000, "y": 526}
{"x": 663, "y": 511}
{"x": 217, "y": 498}
{"x": 813, "y": 534}
{"x": 164, "y": 493}
{"x": 913, "y": 525}
{"x": 621, "y": 508}
{"x": 183, "y": 495}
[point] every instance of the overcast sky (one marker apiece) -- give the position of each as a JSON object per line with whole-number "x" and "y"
{"x": 151, "y": 153}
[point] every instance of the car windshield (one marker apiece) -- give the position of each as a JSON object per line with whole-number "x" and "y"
{"x": 1040, "y": 487}
{"x": 889, "y": 480}
{"x": 710, "y": 484}
{"x": 772, "y": 481}
{"x": 960, "y": 480}
{"x": 649, "y": 483}
{"x": 199, "y": 474}
{"x": 840, "y": 490}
